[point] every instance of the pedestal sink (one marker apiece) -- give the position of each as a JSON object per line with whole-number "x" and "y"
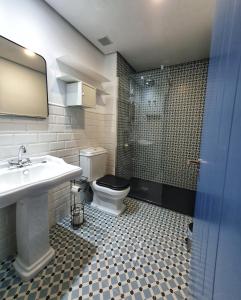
{"x": 28, "y": 188}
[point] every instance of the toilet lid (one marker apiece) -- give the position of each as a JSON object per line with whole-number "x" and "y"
{"x": 113, "y": 182}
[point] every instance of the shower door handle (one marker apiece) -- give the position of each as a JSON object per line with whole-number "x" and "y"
{"x": 195, "y": 162}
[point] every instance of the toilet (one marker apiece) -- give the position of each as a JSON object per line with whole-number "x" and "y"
{"x": 109, "y": 191}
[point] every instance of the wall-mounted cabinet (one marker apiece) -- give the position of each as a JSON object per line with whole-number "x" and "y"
{"x": 80, "y": 94}
{"x": 70, "y": 79}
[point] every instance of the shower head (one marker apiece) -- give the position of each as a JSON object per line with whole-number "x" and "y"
{"x": 149, "y": 82}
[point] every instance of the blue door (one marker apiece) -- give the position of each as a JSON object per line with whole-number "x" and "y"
{"x": 216, "y": 254}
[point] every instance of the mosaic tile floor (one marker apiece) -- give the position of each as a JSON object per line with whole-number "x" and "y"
{"x": 139, "y": 255}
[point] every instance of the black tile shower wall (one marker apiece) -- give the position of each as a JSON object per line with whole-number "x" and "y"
{"x": 183, "y": 122}
{"x": 159, "y": 122}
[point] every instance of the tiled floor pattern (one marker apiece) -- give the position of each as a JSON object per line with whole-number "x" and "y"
{"x": 139, "y": 255}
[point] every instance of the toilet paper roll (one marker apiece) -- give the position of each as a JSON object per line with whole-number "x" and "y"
{"x": 75, "y": 189}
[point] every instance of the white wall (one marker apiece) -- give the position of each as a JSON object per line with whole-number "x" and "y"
{"x": 34, "y": 25}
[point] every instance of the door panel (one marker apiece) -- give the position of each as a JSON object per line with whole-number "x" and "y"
{"x": 228, "y": 265}
{"x": 218, "y": 127}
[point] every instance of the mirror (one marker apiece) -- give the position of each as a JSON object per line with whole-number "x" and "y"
{"x": 23, "y": 81}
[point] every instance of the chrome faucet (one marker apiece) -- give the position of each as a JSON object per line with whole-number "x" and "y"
{"x": 20, "y": 162}
{"x": 22, "y": 149}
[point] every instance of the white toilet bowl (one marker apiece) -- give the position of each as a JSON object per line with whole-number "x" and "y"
{"x": 109, "y": 190}
{"x": 109, "y": 200}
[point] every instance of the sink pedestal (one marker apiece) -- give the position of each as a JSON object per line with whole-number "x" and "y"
{"x": 34, "y": 251}
{"x": 27, "y": 187}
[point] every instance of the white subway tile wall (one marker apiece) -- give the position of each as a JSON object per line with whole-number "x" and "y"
{"x": 62, "y": 134}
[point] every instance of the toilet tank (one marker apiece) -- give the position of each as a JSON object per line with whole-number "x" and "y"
{"x": 93, "y": 162}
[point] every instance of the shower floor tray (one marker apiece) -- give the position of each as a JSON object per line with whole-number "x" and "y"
{"x": 174, "y": 198}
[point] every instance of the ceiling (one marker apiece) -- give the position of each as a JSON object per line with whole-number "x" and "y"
{"x": 148, "y": 33}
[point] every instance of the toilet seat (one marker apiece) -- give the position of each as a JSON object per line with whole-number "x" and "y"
{"x": 113, "y": 182}
{"x": 110, "y": 193}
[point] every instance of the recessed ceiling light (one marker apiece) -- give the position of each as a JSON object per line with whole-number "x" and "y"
{"x": 29, "y": 52}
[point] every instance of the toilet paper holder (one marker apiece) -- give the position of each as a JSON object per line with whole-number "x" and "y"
{"x": 76, "y": 203}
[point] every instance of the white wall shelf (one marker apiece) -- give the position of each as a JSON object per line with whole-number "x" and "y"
{"x": 76, "y": 65}
{"x": 67, "y": 78}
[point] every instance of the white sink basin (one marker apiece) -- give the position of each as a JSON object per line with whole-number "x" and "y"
{"x": 44, "y": 173}
{"x": 28, "y": 188}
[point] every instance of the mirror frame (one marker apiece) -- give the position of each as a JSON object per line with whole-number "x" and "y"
{"x": 46, "y": 80}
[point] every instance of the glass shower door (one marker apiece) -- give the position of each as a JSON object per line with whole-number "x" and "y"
{"x": 148, "y": 94}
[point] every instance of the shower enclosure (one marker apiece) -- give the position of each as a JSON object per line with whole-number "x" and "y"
{"x": 159, "y": 126}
